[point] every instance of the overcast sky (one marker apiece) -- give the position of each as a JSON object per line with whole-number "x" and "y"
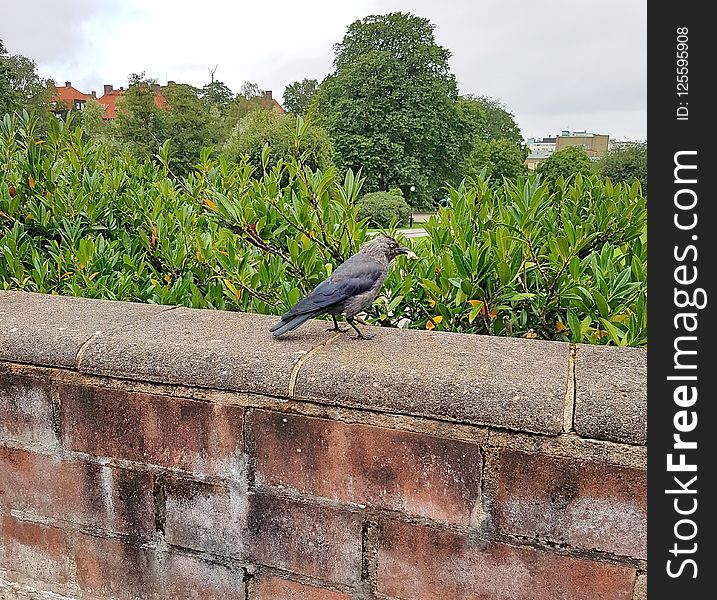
{"x": 555, "y": 64}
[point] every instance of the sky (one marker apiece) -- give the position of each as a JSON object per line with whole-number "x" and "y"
{"x": 555, "y": 64}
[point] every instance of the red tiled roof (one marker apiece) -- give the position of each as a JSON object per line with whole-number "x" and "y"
{"x": 160, "y": 101}
{"x": 69, "y": 94}
{"x": 110, "y": 102}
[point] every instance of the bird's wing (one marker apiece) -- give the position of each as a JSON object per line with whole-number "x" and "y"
{"x": 355, "y": 276}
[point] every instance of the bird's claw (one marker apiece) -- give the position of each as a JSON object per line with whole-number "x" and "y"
{"x": 363, "y": 336}
{"x": 338, "y": 329}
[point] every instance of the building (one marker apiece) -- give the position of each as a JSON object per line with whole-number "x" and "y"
{"x": 595, "y": 145}
{"x": 111, "y": 95}
{"x": 68, "y": 98}
{"x": 538, "y": 150}
{"x": 614, "y": 144}
{"x": 268, "y": 101}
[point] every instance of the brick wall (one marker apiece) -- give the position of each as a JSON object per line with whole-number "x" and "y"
{"x": 158, "y": 452}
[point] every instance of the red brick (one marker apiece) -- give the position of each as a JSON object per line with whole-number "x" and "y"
{"x": 26, "y": 410}
{"x": 307, "y": 539}
{"x": 116, "y": 569}
{"x": 419, "y": 474}
{"x": 204, "y": 517}
{"x": 72, "y": 490}
{"x": 585, "y": 504}
{"x": 273, "y": 588}
{"x": 188, "y": 577}
{"x": 33, "y": 550}
{"x": 173, "y": 432}
{"x": 419, "y": 562}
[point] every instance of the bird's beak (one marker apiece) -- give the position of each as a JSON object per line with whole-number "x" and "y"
{"x": 407, "y": 252}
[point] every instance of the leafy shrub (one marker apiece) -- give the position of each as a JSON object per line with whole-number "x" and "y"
{"x": 261, "y": 128}
{"x": 517, "y": 260}
{"x": 626, "y": 164}
{"x": 512, "y": 259}
{"x": 564, "y": 164}
{"x": 384, "y": 209}
{"x": 79, "y": 220}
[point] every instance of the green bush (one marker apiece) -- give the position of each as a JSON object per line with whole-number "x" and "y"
{"x": 518, "y": 260}
{"x": 270, "y": 128}
{"x": 512, "y": 259}
{"x": 384, "y": 209}
{"x": 565, "y": 164}
{"x": 626, "y": 164}
{"x": 78, "y": 219}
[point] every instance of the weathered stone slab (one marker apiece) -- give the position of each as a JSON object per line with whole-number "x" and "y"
{"x": 206, "y": 348}
{"x": 611, "y": 393}
{"x": 505, "y": 382}
{"x": 46, "y": 330}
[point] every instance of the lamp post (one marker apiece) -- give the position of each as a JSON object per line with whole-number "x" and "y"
{"x": 410, "y": 219}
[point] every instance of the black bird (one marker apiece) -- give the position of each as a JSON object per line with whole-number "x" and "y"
{"x": 350, "y": 289}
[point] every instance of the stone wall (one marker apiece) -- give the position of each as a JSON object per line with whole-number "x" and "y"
{"x": 161, "y": 452}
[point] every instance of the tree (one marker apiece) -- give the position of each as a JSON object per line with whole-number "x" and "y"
{"x": 270, "y": 127}
{"x": 497, "y": 141}
{"x": 626, "y": 164}
{"x": 250, "y": 90}
{"x": 187, "y": 125}
{"x": 565, "y": 163}
{"x": 390, "y": 106}
{"x": 503, "y": 158}
{"x": 140, "y": 123}
{"x": 235, "y": 111}
{"x": 298, "y": 95}
{"x": 96, "y": 127}
{"x": 497, "y": 122}
{"x": 21, "y": 87}
{"x": 217, "y": 93}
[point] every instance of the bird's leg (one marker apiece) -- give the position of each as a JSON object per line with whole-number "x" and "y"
{"x": 350, "y": 321}
{"x": 336, "y": 326}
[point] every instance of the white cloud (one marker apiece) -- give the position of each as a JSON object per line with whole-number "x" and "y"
{"x": 556, "y": 63}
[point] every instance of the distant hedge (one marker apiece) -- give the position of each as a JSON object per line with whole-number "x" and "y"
{"x": 384, "y": 209}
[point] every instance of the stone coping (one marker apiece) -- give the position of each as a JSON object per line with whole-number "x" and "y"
{"x": 512, "y": 383}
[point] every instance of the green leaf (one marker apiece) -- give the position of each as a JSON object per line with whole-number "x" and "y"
{"x": 602, "y": 305}
{"x": 615, "y": 334}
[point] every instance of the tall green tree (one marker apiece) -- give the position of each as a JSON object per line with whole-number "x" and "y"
{"x": 390, "y": 107}
{"x": 97, "y": 128}
{"x": 249, "y": 99}
{"x": 497, "y": 122}
{"x": 217, "y": 93}
{"x": 502, "y": 157}
{"x": 140, "y": 124}
{"x": 626, "y": 164}
{"x": 565, "y": 163}
{"x": 21, "y": 87}
{"x": 251, "y": 90}
{"x": 298, "y": 95}
{"x": 187, "y": 123}
{"x": 277, "y": 130}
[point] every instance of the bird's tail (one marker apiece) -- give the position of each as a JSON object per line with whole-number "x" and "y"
{"x": 290, "y": 324}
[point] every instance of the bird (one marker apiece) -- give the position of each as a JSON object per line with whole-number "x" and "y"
{"x": 350, "y": 289}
